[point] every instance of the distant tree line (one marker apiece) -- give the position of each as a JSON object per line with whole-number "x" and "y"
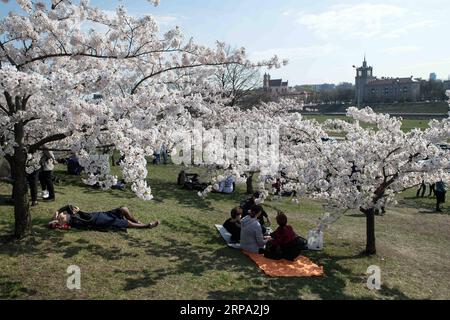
{"x": 431, "y": 90}
{"x": 341, "y": 93}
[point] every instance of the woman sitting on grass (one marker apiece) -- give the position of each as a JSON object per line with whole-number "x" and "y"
{"x": 233, "y": 225}
{"x": 252, "y": 238}
{"x": 284, "y": 243}
{"x": 120, "y": 218}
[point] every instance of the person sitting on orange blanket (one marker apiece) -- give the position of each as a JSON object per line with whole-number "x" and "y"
{"x": 233, "y": 225}
{"x": 285, "y": 243}
{"x": 252, "y": 238}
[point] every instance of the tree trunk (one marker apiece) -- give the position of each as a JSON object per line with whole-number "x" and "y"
{"x": 20, "y": 188}
{"x": 21, "y": 207}
{"x": 13, "y": 175}
{"x": 370, "y": 232}
{"x": 250, "y": 183}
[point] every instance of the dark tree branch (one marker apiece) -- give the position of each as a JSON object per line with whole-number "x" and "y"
{"x": 97, "y": 56}
{"x": 61, "y": 55}
{"x": 10, "y": 102}
{"x": 7, "y": 180}
{"x": 7, "y": 55}
{"x": 57, "y": 137}
{"x": 54, "y": 5}
{"x": 133, "y": 91}
{"x": 29, "y": 120}
{"x": 391, "y": 153}
{"x": 70, "y": 150}
{"x": 24, "y": 102}
{"x": 4, "y": 110}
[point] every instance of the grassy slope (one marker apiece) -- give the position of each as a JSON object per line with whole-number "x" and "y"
{"x": 420, "y": 107}
{"x": 433, "y": 107}
{"x": 185, "y": 258}
{"x": 408, "y": 124}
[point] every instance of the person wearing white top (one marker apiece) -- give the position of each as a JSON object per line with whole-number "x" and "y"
{"x": 46, "y": 175}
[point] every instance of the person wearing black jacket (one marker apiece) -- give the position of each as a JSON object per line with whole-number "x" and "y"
{"x": 32, "y": 180}
{"x": 119, "y": 218}
{"x": 47, "y": 163}
{"x": 233, "y": 225}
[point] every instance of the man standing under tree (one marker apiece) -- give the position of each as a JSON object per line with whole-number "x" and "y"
{"x": 32, "y": 179}
{"x": 422, "y": 189}
{"x": 440, "y": 192}
{"x": 47, "y": 166}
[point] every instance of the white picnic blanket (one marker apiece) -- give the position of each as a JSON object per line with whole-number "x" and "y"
{"x": 227, "y": 237}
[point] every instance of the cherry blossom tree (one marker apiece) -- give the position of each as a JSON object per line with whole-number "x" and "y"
{"x": 154, "y": 86}
{"x": 369, "y": 167}
{"x": 53, "y": 59}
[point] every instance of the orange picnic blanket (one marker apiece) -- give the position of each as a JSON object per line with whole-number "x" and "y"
{"x": 301, "y": 267}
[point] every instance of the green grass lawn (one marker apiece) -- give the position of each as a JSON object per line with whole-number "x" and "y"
{"x": 185, "y": 258}
{"x": 406, "y": 107}
{"x": 408, "y": 124}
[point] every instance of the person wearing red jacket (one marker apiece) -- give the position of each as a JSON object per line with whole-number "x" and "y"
{"x": 284, "y": 243}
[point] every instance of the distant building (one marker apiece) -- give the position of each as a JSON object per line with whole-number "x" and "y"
{"x": 370, "y": 89}
{"x": 302, "y": 95}
{"x": 433, "y": 76}
{"x": 446, "y": 85}
{"x": 276, "y": 86}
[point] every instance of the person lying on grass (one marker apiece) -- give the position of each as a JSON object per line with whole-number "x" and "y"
{"x": 120, "y": 218}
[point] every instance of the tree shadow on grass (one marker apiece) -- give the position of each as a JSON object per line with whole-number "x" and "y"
{"x": 191, "y": 226}
{"x": 167, "y": 191}
{"x": 331, "y": 286}
{"x": 6, "y": 201}
{"x": 162, "y": 190}
{"x": 76, "y": 181}
{"x": 44, "y": 241}
{"x": 66, "y": 179}
{"x": 194, "y": 249}
{"x": 355, "y": 215}
{"x": 426, "y": 205}
{"x": 118, "y": 194}
{"x": 445, "y": 211}
{"x": 183, "y": 257}
{"x": 414, "y": 202}
{"x": 70, "y": 249}
{"x": 13, "y": 289}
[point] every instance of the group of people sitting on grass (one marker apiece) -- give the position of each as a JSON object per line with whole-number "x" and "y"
{"x": 248, "y": 226}
{"x": 191, "y": 181}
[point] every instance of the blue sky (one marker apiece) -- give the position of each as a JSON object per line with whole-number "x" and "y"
{"x": 322, "y": 39}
